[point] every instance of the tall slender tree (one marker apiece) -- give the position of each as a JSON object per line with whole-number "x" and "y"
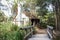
{"x": 57, "y": 11}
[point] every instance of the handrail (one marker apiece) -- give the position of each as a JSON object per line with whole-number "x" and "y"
{"x": 50, "y": 31}
{"x": 22, "y": 28}
{"x": 28, "y": 30}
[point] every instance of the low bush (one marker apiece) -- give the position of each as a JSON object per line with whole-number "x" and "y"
{"x": 9, "y": 31}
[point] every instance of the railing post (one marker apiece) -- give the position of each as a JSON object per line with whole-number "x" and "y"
{"x": 50, "y": 31}
{"x": 28, "y": 32}
{"x": 32, "y": 30}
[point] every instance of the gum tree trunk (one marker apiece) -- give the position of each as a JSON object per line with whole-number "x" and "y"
{"x": 57, "y": 9}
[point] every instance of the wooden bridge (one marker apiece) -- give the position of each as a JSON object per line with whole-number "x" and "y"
{"x": 29, "y": 34}
{"x": 39, "y": 37}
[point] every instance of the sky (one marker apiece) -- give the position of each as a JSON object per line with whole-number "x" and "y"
{"x": 50, "y": 7}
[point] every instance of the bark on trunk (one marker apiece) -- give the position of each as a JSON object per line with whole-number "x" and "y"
{"x": 57, "y": 9}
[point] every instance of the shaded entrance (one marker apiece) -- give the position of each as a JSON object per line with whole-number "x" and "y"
{"x": 35, "y": 21}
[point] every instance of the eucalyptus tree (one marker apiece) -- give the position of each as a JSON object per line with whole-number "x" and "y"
{"x": 42, "y": 10}
{"x": 14, "y": 10}
{"x": 56, "y": 9}
{"x": 56, "y": 4}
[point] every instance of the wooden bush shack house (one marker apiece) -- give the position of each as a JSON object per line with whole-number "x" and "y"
{"x": 32, "y": 16}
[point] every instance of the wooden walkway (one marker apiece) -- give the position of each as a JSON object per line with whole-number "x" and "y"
{"x": 41, "y": 34}
{"x": 39, "y": 37}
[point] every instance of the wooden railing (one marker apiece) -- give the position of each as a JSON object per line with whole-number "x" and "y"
{"x": 28, "y": 32}
{"x": 56, "y": 35}
{"x": 50, "y": 31}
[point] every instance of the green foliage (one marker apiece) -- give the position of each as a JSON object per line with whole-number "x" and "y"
{"x": 48, "y": 19}
{"x": 42, "y": 11}
{"x": 14, "y": 11}
{"x": 1, "y": 16}
{"x": 9, "y": 31}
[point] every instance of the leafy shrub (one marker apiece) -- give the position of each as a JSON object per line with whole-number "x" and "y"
{"x": 48, "y": 19}
{"x": 2, "y": 16}
{"x": 9, "y": 31}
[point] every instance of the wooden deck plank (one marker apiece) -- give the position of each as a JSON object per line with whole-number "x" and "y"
{"x": 39, "y": 37}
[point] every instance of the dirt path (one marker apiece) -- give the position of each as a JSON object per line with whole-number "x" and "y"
{"x": 40, "y": 31}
